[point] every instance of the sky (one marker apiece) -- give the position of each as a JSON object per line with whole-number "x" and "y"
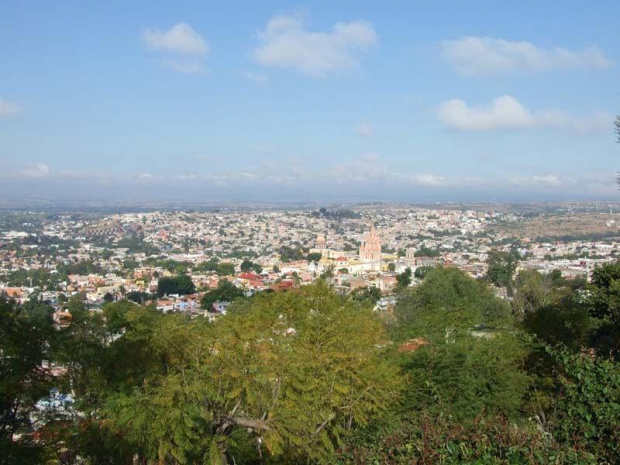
{"x": 315, "y": 101}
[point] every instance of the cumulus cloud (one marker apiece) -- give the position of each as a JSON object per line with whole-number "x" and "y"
{"x": 9, "y": 110}
{"x": 485, "y": 56}
{"x": 506, "y": 112}
{"x": 183, "y": 49}
{"x": 285, "y": 43}
{"x": 179, "y": 39}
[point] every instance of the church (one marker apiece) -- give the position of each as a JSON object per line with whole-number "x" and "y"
{"x": 370, "y": 249}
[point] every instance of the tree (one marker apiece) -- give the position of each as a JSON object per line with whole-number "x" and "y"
{"x": 565, "y": 322}
{"x": 469, "y": 359}
{"x": 23, "y": 342}
{"x": 587, "y": 412}
{"x": 248, "y": 265}
{"x": 391, "y": 267}
{"x": 468, "y": 377}
{"x": 403, "y": 280}
{"x": 225, "y": 291}
{"x": 138, "y": 297}
{"x": 288, "y": 376}
{"x": 181, "y": 284}
{"x": 426, "y": 252}
{"x": 450, "y": 301}
{"x": 421, "y": 271}
{"x": 603, "y": 301}
{"x": 370, "y": 295}
{"x": 534, "y": 290}
{"x": 225, "y": 269}
{"x": 314, "y": 257}
{"x": 501, "y": 267}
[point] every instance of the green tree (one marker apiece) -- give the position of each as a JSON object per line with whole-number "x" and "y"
{"x": 391, "y": 267}
{"x": 181, "y": 284}
{"x": 226, "y": 269}
{"x": 603, "y": 301}
{"x": 449, "y": 303}
{"x": 287, "y": 377}
{"x": 421, "y": 271}
{"x": 225, "y": 291}
{"x": 23, "y": 342}
{"x": 587, "y": 413}
{"x": 314, "y": 257}
{"x": 501, "y": 268}
{"x": 534, "y": 290}
{"x": 403, "y": 280}
{"x": 470, "y": 361}
{"x": 370, "y": 295}
{"x": 564, "y": 322}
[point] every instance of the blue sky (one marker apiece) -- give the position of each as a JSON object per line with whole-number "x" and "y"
{"x": 316, "y": 101}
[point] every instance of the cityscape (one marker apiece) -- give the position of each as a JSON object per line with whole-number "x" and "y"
{"x": 298, "y": 233}
{"x": 53, "y": 256}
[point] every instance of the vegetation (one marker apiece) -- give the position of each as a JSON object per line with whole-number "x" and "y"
{"x": 181, "y": 285}
{"x": 455, "y": 375}
{"x": 225, "y": 291}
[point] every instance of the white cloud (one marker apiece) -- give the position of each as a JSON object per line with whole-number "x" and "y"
{"x": 9, "y": 110}
{"x": 183, "y": 49}
{"x": 364, "y": 129}
{"x": 39, "y": 170}
{"x": 285, "y": 43}
{"x": 507, "y": 112}
{"x": 179, "y": 39}
{"x": 485, "y": 56}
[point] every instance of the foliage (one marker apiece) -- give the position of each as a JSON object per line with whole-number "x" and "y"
{"x": 403, "y": 279}
{"x": 314, "y": 256}
{"x": 420, "y": 271}
{"x": 565, "y": 322}
{"x": 249, "y": 376}
{"x": 82, "y": 268}
{"x": 23, "y": 341}
{"x": 209, "y": 265}
{"x": 467, "y": 378}
{"x": 449, "y": 300}
{"x": 369, "y": 295}
{"x": 225, "y": 291}
{"x": 501, "y": 268}
{"x": 225, "y": 269}
{"x": 248, "y": 265}
{"x": 181, "y": 284}
{"x": 588, "y": 409}
{"x": 427, "y": 439}
{"x": 40, "y": 277}
{"x": 534, "y": 290}
{"x": 288, "y": 254}
{"x": 603, "y": 301}
{"x": 426, "y": 252}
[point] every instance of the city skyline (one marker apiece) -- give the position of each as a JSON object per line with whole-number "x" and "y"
{"x": 309, "y": 102}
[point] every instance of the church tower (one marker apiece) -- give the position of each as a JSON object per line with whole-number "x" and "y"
{"x": 370, "y": 250}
